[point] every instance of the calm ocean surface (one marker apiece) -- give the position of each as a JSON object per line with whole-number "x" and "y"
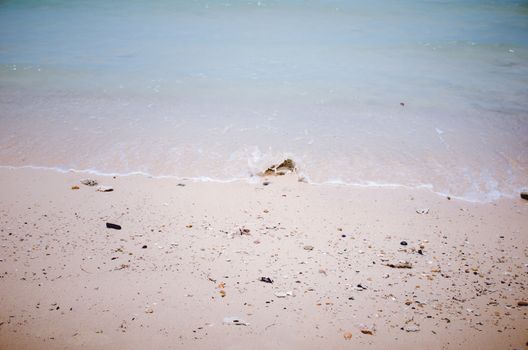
{"x": 219, "y": 90}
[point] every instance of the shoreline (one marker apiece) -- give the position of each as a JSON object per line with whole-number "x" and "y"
{"x": 68, "y": 281}
{"x": 255, "y": 179}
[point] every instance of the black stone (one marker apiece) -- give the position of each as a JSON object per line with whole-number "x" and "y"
{"x": 403, "y": 243}
{"x": 266, "y": 280}
{"x": 114, "y": 226}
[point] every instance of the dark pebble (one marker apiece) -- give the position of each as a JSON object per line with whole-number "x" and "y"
{"x": 420, "y": 252}
{"x": 114, "y": 226}
{"x": 266, "y": 280}
{"x": 403, "y": 243}
{"x": 144, "y": 247}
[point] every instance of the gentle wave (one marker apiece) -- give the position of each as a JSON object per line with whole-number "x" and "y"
{"x": 255, "y": 179}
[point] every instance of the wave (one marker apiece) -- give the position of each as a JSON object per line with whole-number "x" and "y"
{"x": 254, "y": 179}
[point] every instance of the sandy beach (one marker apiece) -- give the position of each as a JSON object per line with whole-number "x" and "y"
{"x": 261, "y": 174}
{"x": 191, "y": 266}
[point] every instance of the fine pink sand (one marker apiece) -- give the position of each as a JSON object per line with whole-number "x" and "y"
{"x": 68, "y": 282}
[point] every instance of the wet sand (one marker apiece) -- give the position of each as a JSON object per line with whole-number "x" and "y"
{"x": 190, "y": 254}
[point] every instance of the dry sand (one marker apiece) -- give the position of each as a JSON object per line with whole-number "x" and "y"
{"x": 69, "y": 282}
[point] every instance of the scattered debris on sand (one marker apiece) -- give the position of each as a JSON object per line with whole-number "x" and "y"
{"x": 113, "y": 226}
{"x": 412, "y": 328}
{"x": 234, "y": 321}
{"x": 103, "y": 188}
{"x": 244, "y": 231}
{"x": 400, "y": 265}
{"x": 283, "y": 294}
{"x": 266, "y": 280}
{"x": 458, "y": 274}
{"x": 89, "y": 182}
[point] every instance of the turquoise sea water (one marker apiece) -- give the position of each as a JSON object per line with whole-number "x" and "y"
{"x": 221, "y": 89}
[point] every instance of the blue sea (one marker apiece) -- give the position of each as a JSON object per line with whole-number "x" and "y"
{"x": 413, "y": 93}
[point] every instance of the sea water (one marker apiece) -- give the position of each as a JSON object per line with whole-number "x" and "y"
{"x": 414, "y": 93}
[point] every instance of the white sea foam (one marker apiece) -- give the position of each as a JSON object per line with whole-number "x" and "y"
{"x": 490, "y": 197}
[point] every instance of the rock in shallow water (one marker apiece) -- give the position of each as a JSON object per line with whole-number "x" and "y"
{"x": 287, "y": 166}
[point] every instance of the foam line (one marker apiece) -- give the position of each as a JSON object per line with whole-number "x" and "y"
{"x": 252, "y": 180}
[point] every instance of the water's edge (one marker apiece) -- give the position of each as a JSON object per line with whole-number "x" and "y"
{"x": 257, "y": 179}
